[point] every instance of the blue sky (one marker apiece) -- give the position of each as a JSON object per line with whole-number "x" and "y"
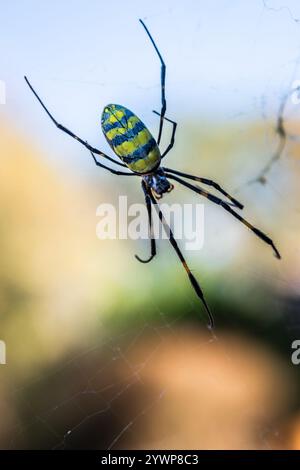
{"x": 224, "y": 58}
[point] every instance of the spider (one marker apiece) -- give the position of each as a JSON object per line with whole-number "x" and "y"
{"x": 138, "y": 151}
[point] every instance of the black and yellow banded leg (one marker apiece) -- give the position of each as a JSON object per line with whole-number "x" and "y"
{"x": 152, "y": 239}
{"x": 226, "y": 206}
{"x": 207, "y": 182}
{"x": 162, "y": 83}
{"x": 174, "y": 244}
{"x": 70, "y": 133}
{"x": 172, "y": 141}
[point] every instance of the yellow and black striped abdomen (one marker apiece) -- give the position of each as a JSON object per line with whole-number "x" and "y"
{"x": 130, "y": 139}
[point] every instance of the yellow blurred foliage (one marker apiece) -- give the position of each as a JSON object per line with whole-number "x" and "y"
{"x": 53, "y": 271}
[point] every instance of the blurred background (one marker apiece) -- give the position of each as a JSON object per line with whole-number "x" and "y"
{"x": 102, "y": 351}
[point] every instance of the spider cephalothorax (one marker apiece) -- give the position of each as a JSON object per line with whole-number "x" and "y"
{"x": 158, "y": 183}
{"x": 138, "y": 150}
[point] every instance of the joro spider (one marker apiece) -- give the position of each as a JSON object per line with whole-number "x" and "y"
{"x": 133, "y": 143}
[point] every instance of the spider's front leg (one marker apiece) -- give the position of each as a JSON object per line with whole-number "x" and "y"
{"x": 172, "y": 141}
{"x": 111, "y": 170}
{"x": 162, "y": 83}
{"x": 67, "y": 131}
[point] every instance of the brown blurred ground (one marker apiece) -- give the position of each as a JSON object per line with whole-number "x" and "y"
{"x": 229, "y": 393}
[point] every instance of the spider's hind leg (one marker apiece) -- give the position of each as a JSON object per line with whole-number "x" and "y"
{"x": 192, "y": 279}
{"x": 208, "y": 182}
{"x": 149, "y": 210}
{"x": 226, "y": 206}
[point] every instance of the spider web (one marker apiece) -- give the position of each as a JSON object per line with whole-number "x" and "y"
{"x": 116, "y": 389}
{"x": 101, "y": 399}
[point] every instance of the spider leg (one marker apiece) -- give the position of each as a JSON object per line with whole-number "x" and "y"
{"x": 162, "y": 83}
{"x": 114, "y": 172}
{"x": 153, "y": 243}
{"x": 172, "y": 141}
{"x": 67, "y": 131}
{"x": 209, "y": 183}
{"x": 226, "y": 206}
{"x": 193, "y": 281}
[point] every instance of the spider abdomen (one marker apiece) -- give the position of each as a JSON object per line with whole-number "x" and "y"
{"x": 130, "y": 139}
